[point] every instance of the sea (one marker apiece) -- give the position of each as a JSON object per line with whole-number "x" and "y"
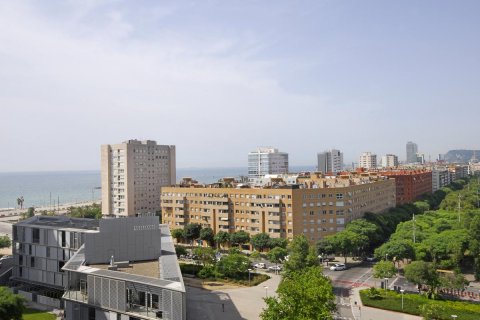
{"x": 44, "y": 189}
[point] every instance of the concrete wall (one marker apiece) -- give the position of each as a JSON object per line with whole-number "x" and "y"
{"x": 127, "y": 239}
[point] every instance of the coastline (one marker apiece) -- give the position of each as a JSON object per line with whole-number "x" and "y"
{"x": 59, "y": 209}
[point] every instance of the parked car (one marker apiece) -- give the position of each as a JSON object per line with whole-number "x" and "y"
{"x": 327, "y": 257}
{"x": 338, "y": 267}
{"x": 260, "y": 265}
{"x": 370, "y": 259}
{"x": 275, "y": 268}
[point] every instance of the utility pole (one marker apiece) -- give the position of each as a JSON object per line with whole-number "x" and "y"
{"x": 414, "y": 228}
{"x": 459, "y": 206}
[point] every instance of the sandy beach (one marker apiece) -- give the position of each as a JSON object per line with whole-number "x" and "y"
{"x": 6, "y": 212}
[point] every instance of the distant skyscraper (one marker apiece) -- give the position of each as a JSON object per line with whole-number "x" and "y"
{"x": 267, "y": 160}
{"x": 412, "y": 150}
{"x": 368, "y": 160}
{"x": 132, "y": 174}
{"x": 389, "y": 160}
{"x": 330, "y": 161}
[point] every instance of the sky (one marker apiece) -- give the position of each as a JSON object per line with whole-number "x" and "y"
{"x": 219, "y": 78}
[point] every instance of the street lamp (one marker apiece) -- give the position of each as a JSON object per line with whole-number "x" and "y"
{"x": 402, "y": 291}
{"x": 386, "y": 286}
{"x": 249, "y": 270}
{"x": 266, "y": 294}
{"x": 386, "y": 256}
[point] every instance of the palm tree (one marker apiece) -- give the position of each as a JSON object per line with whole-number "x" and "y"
{"x": 20, "y": 202}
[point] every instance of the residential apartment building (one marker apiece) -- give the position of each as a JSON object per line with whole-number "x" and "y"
{"x": 368, "y": 160}
{"x": 330, "y": 161}
{"x": 410, "y": 184}
{"x": 132, "y": 174}
{"x": 440, "y": 178}
{"x": 267, "y": 160}
{"x": 389, "y": 161}
{"x": 316, "y": 205}
{"x": 412, "y": 150}
{"x": 458, "y": 171}
{"x": 41, "y": 246}
{"x": 125, "y": 270}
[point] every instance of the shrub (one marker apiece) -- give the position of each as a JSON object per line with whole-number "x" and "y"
{"x": 374, "y": 293}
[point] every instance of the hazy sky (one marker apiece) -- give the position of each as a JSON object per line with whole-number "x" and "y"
{"x": 218, "y": 78}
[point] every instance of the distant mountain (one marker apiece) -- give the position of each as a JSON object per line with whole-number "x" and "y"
{"x": 461, "y": 156}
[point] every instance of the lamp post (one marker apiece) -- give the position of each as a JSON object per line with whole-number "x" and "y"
{"x": 249, "y": 282}
{"x": 402, "y": 291}
{"x": 266, "y": 291}
{"x": 386, "y": 286}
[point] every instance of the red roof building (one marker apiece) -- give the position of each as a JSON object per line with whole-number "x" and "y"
{"x": 410, "y": 184}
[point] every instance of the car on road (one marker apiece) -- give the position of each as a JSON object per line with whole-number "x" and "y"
{"x": 275, "y": 268}
{"x": 370, "y": 259}
{"x": 260, "y": 265}
{"x": 338, "y": 267}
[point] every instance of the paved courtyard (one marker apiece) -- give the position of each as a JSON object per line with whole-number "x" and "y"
{"x": 229, "y": 304}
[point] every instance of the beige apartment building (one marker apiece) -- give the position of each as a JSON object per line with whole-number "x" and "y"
{"x": 132, "y": 174}
{"x": 315, "y": 205}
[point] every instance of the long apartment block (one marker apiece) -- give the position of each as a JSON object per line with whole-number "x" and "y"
{"x": 315, "y": 205}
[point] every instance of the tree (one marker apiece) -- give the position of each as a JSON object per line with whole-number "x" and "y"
{"x": 5, "y": 242}
{"x": 233, "y": 265}
{"x": 260, "y": 241}
{"x": 301, "y": 255}
{"x": 325, "y": 247}
{"x": 277, "y": 255}
{"x": 306, "y": 295}
{"x": 11, "y": 305}
{"x": 20, "y": 201}
{"x": 346, "y": 242}
{"x": 93, "y": 211}
{"x": 178, "y": 235}
{"x": 222, "y": 238}
{"x": 206, "y": 234}
{"x": 368, "y": 229}
{"x": 383, "y": 269}
{"x": 278, "y": 242}
{"x": 395, "y": 249}
{"x": 206, "y": 255}
{"x": 423, "y": 273}
{"x": 239, "y": 238}
{"x": 30, "y": 212}
{"x": 180, "y": 251}
{"x": 192, "y": 232}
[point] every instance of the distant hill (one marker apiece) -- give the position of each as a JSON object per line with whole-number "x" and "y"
{"x": 461, "y": 156}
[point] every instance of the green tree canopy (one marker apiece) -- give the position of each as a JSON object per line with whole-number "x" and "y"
{"x": 260, "y": 241}
{"x": 5, "y": 242}
{"x": 93, "y": 211}
{"x": 384, "y": 269}
{"x": 205, "y": 255}
{"x": 192, "y": 231}
{"x": 347, "y": 242}
{"x": 398, "y": 250}
{"x": 422, "y": 273}
{"x": 222, "y": 238}
{"x": 239, "y": 237}
{"x": 178, "y": 234}
{"x": 11, "y": 305}
{"x": 301, "y": 255}
{"x": 277, "y": 254}
{"x": 278, "y": 242}
{"x": 207, "y": 234}
{"x": 306, "y": 295}
{"x": 233, "y": 265}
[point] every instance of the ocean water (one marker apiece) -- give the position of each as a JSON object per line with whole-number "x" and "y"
{"x": 46, "y": 188}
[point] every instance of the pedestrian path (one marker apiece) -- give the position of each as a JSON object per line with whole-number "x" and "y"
{"x": 361, "y": 312}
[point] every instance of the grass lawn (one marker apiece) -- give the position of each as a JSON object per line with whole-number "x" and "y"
{"x": 413, "y": 304}
{"x": 31, "y": 314}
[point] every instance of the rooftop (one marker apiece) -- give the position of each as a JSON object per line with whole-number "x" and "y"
{"x": 142, "y": 268}
{"x": 61, "y": 222}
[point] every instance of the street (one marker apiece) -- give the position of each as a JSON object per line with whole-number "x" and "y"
{"x": 6, "y": 229}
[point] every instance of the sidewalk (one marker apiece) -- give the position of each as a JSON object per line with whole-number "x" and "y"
{"x": 361, "y": 312}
